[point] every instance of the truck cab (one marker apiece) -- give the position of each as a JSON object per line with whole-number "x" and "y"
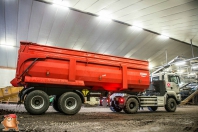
{"x": 172, "y": 82}
{"x": 163, "y": 92}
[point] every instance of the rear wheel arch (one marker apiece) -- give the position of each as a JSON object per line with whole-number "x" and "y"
{"x": 80, "y": 95}
{"x": 172, "y": 96}
{"x": 24, "y": 92}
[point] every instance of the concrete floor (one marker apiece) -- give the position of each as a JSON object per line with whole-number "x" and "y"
{"x": 101, "y": 119}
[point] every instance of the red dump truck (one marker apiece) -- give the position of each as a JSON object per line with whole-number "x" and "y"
{"x": 45, "y": 70}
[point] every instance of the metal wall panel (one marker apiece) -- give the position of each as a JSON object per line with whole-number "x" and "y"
{"x": 135, "y": 41}
{"x": 59, "y": 26}
{"x": 100, "y": 28}
{"x": 47, "y": 22}
{"x": 86, "y": 33}
{"x": 11, "y": 19}
{"x": 8, "y": 75}
{"x": 140, "y": 45}
{"x": 79, "y": 28}
{"x": 2, "y": 22}
{"x": 116, "y": 31}
{"x": 11, "y": 56}
{"x": 60, "y": 20}
{"x": 25, "y": 8}
{"x": 36, "y": 19}
{"x": 105, "y": 36}
{"x": 3, "y": 56}
{"x": 65, "y": 40}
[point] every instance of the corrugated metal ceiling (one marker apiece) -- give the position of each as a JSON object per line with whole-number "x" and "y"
{"x": 50, "y": 24}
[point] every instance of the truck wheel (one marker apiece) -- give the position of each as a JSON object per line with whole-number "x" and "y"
{"x": 55, "y": 104}
{"x": 170, "y": 105}
{"x": 152, "y": 108}
{"x": 69, "y": 103}
{"x": 37, "y": 102}
{"x": 115, "y": 108}
{"x": 131, "y": 106}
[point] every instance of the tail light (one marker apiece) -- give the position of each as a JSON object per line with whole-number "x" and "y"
{"x": 121, "y": 100}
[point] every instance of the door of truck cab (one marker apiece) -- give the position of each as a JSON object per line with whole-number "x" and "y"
{"x": 172, "y": 83}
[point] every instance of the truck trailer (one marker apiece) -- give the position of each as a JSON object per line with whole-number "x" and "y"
{"x": 46, "y": 70}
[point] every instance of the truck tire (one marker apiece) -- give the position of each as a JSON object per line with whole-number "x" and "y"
{"x": 115, "y": 108}
{"x": 55, "y": 104}
{"x": 69, "y": 103}
{"x": 37, "y": 102}
{"x": 170, "y": 105}
{"x": 152, "y": 108}
{"x": 131, "y": 106}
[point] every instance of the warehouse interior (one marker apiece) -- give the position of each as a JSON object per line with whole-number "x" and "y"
{"x": 162, "y": 32}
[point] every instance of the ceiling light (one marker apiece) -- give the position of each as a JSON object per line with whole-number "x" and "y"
{"x": 136, "y": 28}
{"x": 138, "y": 24}
{"x": 105, "y": 15}
{"x": 163, "y": 37}
{"x": 180, "y": 63}
{"x": 6, "y": 46}
{"x": 9, "y": 42}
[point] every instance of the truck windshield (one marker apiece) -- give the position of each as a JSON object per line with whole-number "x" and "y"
{"x": 174, "y": 79}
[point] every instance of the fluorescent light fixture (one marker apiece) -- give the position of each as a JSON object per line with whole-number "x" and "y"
{"x": 104, "y": 14}
{"x": 8, "y": 47}
{"x": 77, "y": 47}
{"x": 127, "y": 55}
{"x": 180, "y": 63}
{"x": 9, "y": 42}
{"x": 136, "y": 28}
{"x": 138, "y": 24}
{"x": 163, "y": 36}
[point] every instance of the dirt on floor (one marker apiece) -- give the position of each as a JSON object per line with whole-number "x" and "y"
{"x": 100, "y": 119}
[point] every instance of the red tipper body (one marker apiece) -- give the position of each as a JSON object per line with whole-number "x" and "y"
{"x": 40, "y": 64}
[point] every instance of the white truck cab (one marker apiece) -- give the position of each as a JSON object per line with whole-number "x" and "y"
{"x": 172, "y": 82}
{"x": 162, "y": 92}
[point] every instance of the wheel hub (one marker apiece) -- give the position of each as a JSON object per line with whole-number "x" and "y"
{"x": 131, "y": 105}
{"x": 37, "y": 102}
{"x": 172, "y": 105}
{"x": 70, "y": 103}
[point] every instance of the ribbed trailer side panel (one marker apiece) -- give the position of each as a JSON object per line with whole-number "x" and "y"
{"x": 51, "y": 65}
